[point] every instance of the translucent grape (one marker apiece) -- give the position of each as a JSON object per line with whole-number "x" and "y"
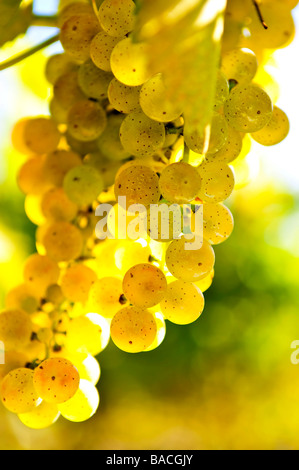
{"x": 17, "y": 137}
{"x": 218, "y": 181}
{"x": 179, "y": 183}
{"x": 87, "y": 365}
{"x": 67, "y": 91}
{"x": 275, "y": 131}
{"x": 56, "y": 380}
{"x": 57, "y": 65}
{"x": 239, "y": 64}
{"x": 231, "y": 150}
{"x": 22, "y": 298}
{"x": 139, "y": 184}
{"x": 129, "y": 63}
{"x": 154, "y": 102}
{"x": 83, "y": 405}
{"x": 129, "y": 253}
{"x": 144, "y": 285}
{"x": 32, "y": 178}
{"x": 58, "y": 113}
{"x": 248, "y": 109}
{"x": 197, "y": 140}
{"x": 183, "y": 303}
{"x": 63, "y": 242}
{"x": 58, "y": 164}
{"x": 76, "y": 35}
{"x": 164, "y": 225}
{"x": 222, "y": 90}
{"x": 55, "y": 295}
{"x": 205, "y": 283}
{"x": 107, "y": 168}
{"x": 56, "y": 206}
{"x": 93, "y": 81}
{"x": 82, "y": 148}
{"x": 41, "y": 135}
{"x": 161, "y": 332}
{"x": 86, "y": 120}
{"x": 13, "y": 360}
{"x": 140, "y": 135}
{"x": 133, "y": 329}
{"x": 74, "y": 9}
{"x": 40, "y": 272}
{"x": 218, "y": 223}
{"x": 17, "y": 391}
{"x": 101, "y": 48}
{"x": 124, "y": 98}
{"x": 77, "y": 282}
{"x": 105, "y": 296}
{"x": 15, "y": 329}
{"x": 189, "y": 265}
{"x": 109, "y": 142}
{"x": 43, "y": 416}
{"x": 117, "y": 17}
{"x": 86, "y": 334}
{"x": 83, "y": 184}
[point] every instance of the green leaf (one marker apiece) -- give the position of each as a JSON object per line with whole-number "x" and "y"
{"x": 13, "y": 20}
{"x": 183, "y": 42}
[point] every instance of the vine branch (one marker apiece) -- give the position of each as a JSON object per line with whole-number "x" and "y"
{"x": 257, "y": 7}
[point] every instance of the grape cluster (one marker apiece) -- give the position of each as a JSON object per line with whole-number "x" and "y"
{"x": 112, "y": 133}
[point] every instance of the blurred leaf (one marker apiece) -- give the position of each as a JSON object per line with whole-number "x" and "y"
{"x": 14, "y": 21}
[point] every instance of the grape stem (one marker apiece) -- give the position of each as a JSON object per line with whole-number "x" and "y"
{"x": 45, "y": 21}
{"x": 257, "y": 7}
{"x": 24, "y": 55}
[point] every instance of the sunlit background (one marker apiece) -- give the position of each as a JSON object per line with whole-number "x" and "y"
{"x": 226, "y": 381}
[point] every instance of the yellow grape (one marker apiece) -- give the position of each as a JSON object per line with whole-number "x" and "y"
{"x": 109, "y": 142}
{"x": 218, "y": 223}
{"x": 161, "y": 332}
{"x": 42, "y": 417}
{"x": 57, "y": 65}
{"x": 189, "y": 265}
{"x": 41, "y": 135}
{"x": 231, "y": 150}
{"x": 13, "y": 360}
{"x": 124, "y": 98}
{"x": 205, "y": 283}
{"x": 58, "y": 113}
{"x": 76, "y": 35}
{"x": 83, "y": 405}
{"x": 74, "y": 9}
{"x": 77, "y": 282}
{"x": 93, "y": 81}
{"x": 101, "y": 48}
{"x": 17, "y": 391}
{"x": 57, "y": 164}
{"x": 17, "y": 137}
{"x": 67, "y": 91}
{"x": 124, "y": 225}
{"x": 56, "y": 206}
{"x": 87, "y": 365}
{"x": 87, "y": 333}
{"x": 129, "y": 253}
{"x": 83, "y": 184}
{"x": 105, "y": 296}
{"x": 32, "y": 178}
{"x": 40, "y": 272}
{"x": 239, "y": 64}
{"x": 86, "y": 120}
{"x": 117, "y": 17}
{"x": 275, "y": 131}
{"x": 129, "y": 63}
{"x": 22, "y": 298}
{"x": 179, "y": 183}
{"x": 55, "y": 295}
{"x": 144, "y": 285}
{"x": 15, "y": 329}
{"x": 63, "y": 242}
{"x": 197, "y": 140}
{"x": 33, "y": 209}
{"x": 183, "y": 303}
{"x": 222, "y": 90}
{"x": 218, "y": 181}
{"x": 133, "y": 329}
{"x": 82, "y": 148}
{"x": 56, "y": 380}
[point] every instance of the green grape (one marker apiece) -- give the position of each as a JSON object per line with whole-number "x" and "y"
{"x": 77, "y": 282}
{"x": 165, "y": 224}
{"x": 248, "y": 109}
{"x": 144, "y": 285}
{"x": 218, "y": 181}
{"x": 179, "y": 183}
{"x": 13, "y": 360}
{"x": 129, "y": 253}
{"x": 86, "y": 120}
{"x": 40, "y": 272}
{"x": 58, "y": 164}
{"x": 22, "y": 298}
{"x": 63, "y": 241}
{"x": 83, "y": 405}
{"x": 82, "y": 148}
{"x": 189, "y": 265}
{"x": 56, "y": 380}
{"x": 124, "y": 98}
{"x": 42, "y": 417}
{"x": 67, "y": 91}
{"x": 107, "y": 168}
{"x": 54, "y": 295}
{"x": 109, "y": 142}
{"x": 83, "y": 184}
{"x": 76, "y": 35}
{"x": 31, "y": 177}
{"x": 240, "y": 65}
{"x": 154, "y": 102}
{"x": 280, "y": 24}
{"x": 58, "y": 65}
{"x": 129, "y": 63}
{"x": 222, "y": 91}
{"x": 58, "y": 113}
{"x": 275, "y": 131}
{"x": 105, "y": 300}
{"x": 205, "y": 283}
{"x": 117, "y": 17}
{"x": 101, "y": 48}
{"x": 56, "y": 206}
{"x": 140, "y": 135}
{"x": 133, "y": 329}
{"x": 17, "y": 391}
{"x": 125, "y": 225}
{"x": 139, "y": 184}
{"x": 218, "y": 223}
{"x": 231, "y": 150}
{"x": 41, "y": 135}
{"x": 87, "y": 333}
{"x": 74, "y": 9}
{"x": 93, "y": 81}
{"x": 15, "y": 329}
{"x": 198, "y": 141}
{"x": 183, "y": 303}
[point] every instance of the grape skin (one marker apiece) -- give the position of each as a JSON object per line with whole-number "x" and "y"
{"x": 83, "y": 184}
{"x": 63, "y": 242}
{"x": 218, "y": 181}
{"x": 101, "y": 48}
{"x": 275, "y": 131}
{"x": 17, "y": 391}
{"x": 77, "y": 282}
{"x": 144, "y": 285}
{"x": 40, "y": 272}
{"x": 183, "y": 303}
{"x": 15, "y": 329}
{"x": 86, "y": 120}
{"x": 117, "y": 17}
{"x": 179, "y": 183}
{"x": 124, "y": 98}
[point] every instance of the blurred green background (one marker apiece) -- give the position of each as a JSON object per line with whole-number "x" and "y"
{"x": 224, "y": 382}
